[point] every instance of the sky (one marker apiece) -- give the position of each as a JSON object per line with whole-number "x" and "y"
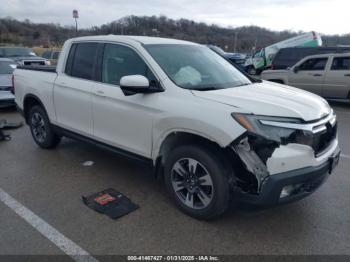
{"x": 323, "y": 16}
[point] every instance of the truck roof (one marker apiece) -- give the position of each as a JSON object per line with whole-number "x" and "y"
{"x": 130, "y": 38}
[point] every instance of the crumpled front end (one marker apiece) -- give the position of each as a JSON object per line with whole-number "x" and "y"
{"x": 287, "y": 155}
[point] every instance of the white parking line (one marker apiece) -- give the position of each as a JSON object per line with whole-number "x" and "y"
{"x": 345, "y": 156}
{"x": 62, "y": 242}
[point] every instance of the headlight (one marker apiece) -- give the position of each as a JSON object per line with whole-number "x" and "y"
{"x": 47, "y": 62}
{"x": 281, "y": 134}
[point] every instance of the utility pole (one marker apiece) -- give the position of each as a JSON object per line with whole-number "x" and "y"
{"x": 155, "y": 32}
{"x": 76, "y": 16}
{"x": 122, "y": 28}
{"x": 235, "y": 42}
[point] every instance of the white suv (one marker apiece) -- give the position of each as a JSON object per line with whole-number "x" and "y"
{"x": 211, "y": 132}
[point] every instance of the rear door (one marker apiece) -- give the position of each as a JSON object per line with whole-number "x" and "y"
{"x": 310, "y": 75}
{"x": 72, "y": 90}
{"x": 337, "y": 81}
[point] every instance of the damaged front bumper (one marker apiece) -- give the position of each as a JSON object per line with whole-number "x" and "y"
{"x": 286, "y": 167}
{"x": 303, "y": 182}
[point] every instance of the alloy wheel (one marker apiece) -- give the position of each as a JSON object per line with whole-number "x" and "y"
{"x": 38, "y": 127}
{"x": 192, "y": 183}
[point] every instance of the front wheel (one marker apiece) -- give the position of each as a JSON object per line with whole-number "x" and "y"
{"x": 41, "y": 129}
{"x": 196, "y": 179}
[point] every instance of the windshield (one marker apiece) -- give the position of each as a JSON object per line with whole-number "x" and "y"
{"x": 16, "y": 52}
{"x": 196, "y": 67}
{"x": 7, "y": 67}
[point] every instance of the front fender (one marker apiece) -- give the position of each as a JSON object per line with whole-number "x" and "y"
{"x": 222, "y": 134}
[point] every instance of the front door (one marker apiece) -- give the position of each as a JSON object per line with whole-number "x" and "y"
{"x": 310, "y": 75}
{"x": 120, "y": 120}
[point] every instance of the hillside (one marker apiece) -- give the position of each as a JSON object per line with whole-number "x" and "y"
{"x": 26, "y": 33}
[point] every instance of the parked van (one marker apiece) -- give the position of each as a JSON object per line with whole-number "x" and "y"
{"x": 263, "y": 58}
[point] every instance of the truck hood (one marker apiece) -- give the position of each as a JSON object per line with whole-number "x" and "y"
{"x": 271, "y": 99}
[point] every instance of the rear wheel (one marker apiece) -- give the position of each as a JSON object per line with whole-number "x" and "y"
{"x": 197, "y": 181}
{"x": 41, "y": 129}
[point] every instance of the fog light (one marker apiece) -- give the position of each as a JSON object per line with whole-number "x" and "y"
{"x": 287, "y": 191}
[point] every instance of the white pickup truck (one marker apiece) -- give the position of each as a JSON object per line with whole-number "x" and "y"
{"x": 212, "y": 133}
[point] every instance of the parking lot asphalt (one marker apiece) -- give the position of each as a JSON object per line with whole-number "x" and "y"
{"x": 50, "y": 183}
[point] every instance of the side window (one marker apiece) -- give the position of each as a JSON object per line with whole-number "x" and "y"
{"x": 341, "y": 63}
{"x": 83, "y": 61}
{"x": 313, "y": 64}
{"x": 119, "y": 61}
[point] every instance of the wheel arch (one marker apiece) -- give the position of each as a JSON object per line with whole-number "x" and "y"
{"x": 178, "y": 138}
{"x": 29, "y": 101}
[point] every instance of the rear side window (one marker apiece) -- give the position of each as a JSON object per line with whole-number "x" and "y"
{"x": 82, "y": 60}
{"x": 119, "y": 61}
{"x": 313, "y": 64}
{"x": 341, "y": 63}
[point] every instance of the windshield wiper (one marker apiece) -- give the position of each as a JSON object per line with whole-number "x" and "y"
{"x": 209, "y": 88}
{"x": 245, "y": 84}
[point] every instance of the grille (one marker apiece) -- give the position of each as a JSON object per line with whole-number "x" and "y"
{"x": 34, "y": 62}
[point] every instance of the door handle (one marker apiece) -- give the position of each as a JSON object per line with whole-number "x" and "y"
{"x": 317, "y": 74}
{"x": 100, "y": 93}
{"x": 347, "y": 75}
{"x": 63, "y": 84}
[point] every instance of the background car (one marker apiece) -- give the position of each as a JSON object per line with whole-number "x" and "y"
{"x": 288, "y": 57}
{"x": 6, "y": 88}
{"x": 23, "y": 56}
{"x": 236, "y": 58}
{"x": 327, "y": 75}
{"x": 52, "y": 55}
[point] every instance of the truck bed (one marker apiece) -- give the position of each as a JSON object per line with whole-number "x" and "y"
{"x": 51, "y": 69}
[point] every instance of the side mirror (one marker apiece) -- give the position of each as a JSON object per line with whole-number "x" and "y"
{"x": 296, "y": 69}
{"x": 133, "y": 84}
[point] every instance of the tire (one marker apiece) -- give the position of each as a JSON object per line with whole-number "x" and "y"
{"x": 41, "y": 129}
{"x": 190, "y": 199}
{"x": 278, "y": 81}
{"x": 251, "y": 70}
